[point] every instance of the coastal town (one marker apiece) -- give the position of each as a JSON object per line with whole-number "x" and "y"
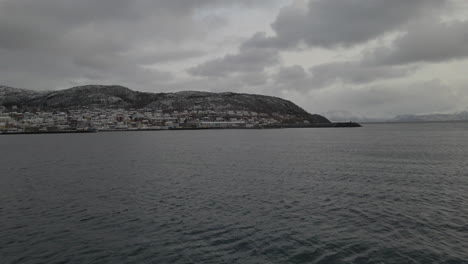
{"x": 16, "y": 121}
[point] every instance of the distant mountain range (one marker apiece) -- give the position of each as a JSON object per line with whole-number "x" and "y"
{"x": 346, "y": 116}
{"x": 115, "y": 96}
{"x": 460, "y": 116}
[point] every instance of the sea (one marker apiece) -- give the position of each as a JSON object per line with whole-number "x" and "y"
{"x": 383, "y": 193}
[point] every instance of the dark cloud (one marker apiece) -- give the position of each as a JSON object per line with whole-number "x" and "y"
{"x": 345, "y": 73}
{"x": 428, "y": 40}
{"x": 325, "y": 23}
{"x": 330, "y": 23}
{"x": 48, "y": 43}
{"x": 45, "y": 23}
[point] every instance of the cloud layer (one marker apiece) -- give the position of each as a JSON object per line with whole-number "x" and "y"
{"x": 376, "y": 57}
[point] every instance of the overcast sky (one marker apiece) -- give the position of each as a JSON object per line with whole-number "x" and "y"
{"x": 374, "y": 58}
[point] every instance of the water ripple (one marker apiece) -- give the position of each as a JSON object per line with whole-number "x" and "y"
{"x": 382, "y": 194}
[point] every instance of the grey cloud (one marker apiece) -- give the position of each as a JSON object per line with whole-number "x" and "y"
{"x": 330, "y": 23}
{"x": 325, "y": 23}
{"x": 47, "y": 43}
{"x": 425, "y": 41}
{"x": 254, "y": 78}
{"x": 355, "y": 72}
{"x": 349, "y": 73}
{"x": 293, "y": 78}
{"x": 160, "y": 57}
{"x": 247, "y": 60}
{"x": 292, "y": 73}
{"x": 29, "y": 24}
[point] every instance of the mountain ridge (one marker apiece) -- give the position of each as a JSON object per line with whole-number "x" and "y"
{"x": 116, "y": 96}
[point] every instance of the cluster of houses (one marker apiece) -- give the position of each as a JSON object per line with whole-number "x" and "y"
{"x": 132, "y": 119}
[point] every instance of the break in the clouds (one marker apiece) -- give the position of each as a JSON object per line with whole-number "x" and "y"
{"x": 368, "y": 57}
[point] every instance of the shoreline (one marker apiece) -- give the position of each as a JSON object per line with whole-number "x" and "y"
{"x": 331, "y": 125}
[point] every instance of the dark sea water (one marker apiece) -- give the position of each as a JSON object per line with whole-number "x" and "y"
{"x": 379, "y": 194}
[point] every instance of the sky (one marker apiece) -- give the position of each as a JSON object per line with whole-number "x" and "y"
{"x": 360, "y": 58}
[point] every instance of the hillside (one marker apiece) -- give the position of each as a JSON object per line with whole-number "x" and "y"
{"x": 114, "y": 96}
{"x": 14, "y": 96}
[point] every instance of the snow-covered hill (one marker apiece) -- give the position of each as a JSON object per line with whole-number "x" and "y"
{"x": 114, "y": 96}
